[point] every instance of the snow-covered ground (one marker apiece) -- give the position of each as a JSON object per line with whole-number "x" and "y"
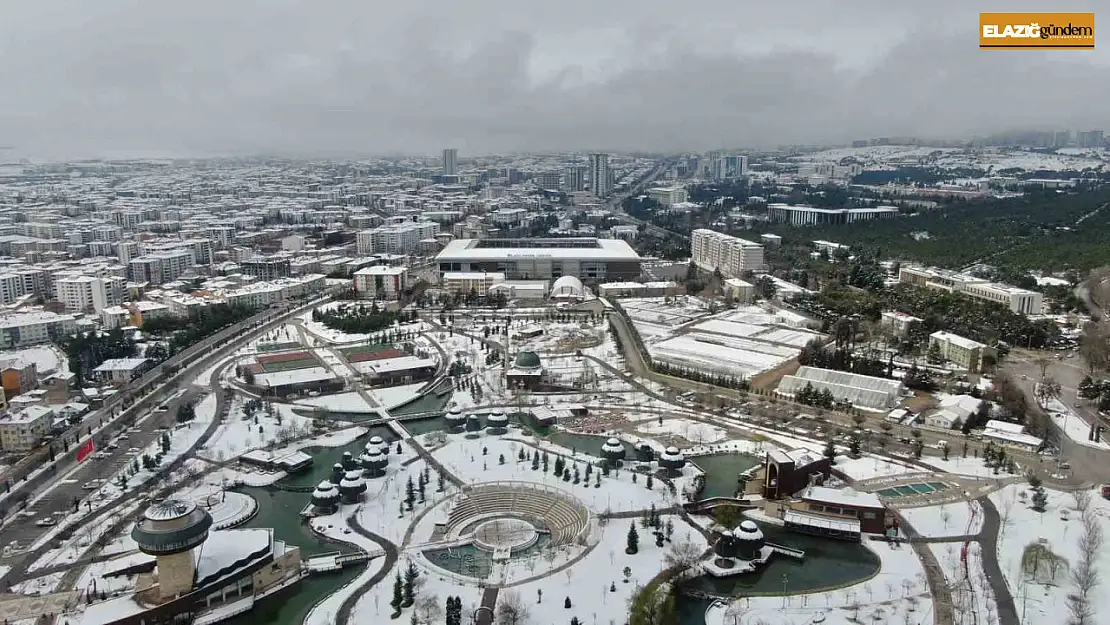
{"x": 464, "y": 458}
{"x": 694, "y": 431}
{"x": 948, "y": 519}
{"x": 1072, "y": 424}
{"x": 1058, "y": 528}
{"x": 394, "y": 396}
{"x": 972, "y": 596}
{"x": 73, "y": 548}
{"x": 339, "y": 402}
{"x": 238, "y": 434}
{"x": 38, "y": 585}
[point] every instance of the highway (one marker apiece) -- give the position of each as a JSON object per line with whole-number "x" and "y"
{"x": 615, "y": 204}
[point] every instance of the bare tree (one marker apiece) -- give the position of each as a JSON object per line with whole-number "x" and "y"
{"x": 1084, "y": 575}
{"x": 429, "y": 609}
{"x": 511, "y": 610}
{"x": 683, "y": 554}
{"x": 1082, "y": 499}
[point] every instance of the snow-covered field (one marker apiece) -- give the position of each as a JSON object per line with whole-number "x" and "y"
{"x": 464, "y": 458}
{"x": 394, "y": 396}
{"x": 238, "y": 434}
{"x": 948, "y": 519}
{"x": 696, "y": 432}
{"x": 1058, "y": 528}
{"x": 972, "y": 596}
{"x": 992, "y": 160}
{"x": 339, "y": 402}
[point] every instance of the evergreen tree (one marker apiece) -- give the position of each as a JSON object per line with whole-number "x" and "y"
{"x": 410, "y": 493}
{"x": 535, "y": 462}
{"x": 409, "y": 586}
{"x": 633, "y": 545}
{"x": 830, "y": 452}
{"x": 566, "y": 603}
{"x": 398, "y": 594}
{"x": 650, "y": 482}
{"x": 544, "y": 459}
{"x": 854, "y": 446}
{"x": 559, "y": 465}
{"x": 423, "y": 498}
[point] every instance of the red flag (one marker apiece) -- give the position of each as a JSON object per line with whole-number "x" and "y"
{"x": 86, "y": 450}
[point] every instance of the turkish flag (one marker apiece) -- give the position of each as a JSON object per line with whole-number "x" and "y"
{"x": 86, "y": 450}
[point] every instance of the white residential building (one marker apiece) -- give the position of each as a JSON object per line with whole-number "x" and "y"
{"x": 402, "y": 238}
{"x": 466, "y": 282}
{"x": 961, "y": 351}
{"x": 669, "y": 196}
{"x": 450, "y": 162}
{"x": 733, "y": 256}
{"x": 33, "y": 328}
{"x": 897, "y": 323}
{"x": 86, "y": 293}
{"x": 160, "y": 267}
{"x": 381, "y": 281}
{"x": 22, "y": 431}
{"x": 263, "y": 294}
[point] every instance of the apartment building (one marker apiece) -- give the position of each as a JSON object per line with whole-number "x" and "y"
{"x": 89, "y": 293}
{"x": 813, "y": 216}
{"x": 897, "y": 323}
{"x": 669, "y": 196}
{"x": 600, "y": 176}
{"x": 160, "y": 267}
{"x": 23, "y": 431}
{"x": 34, "y": 328}
{"x": 962, "y": 352}
{"x": 1021, "y": 301}
{"x": 733, "y": 256}
{"x": 267, "y": 267}
{"x": 401, "y": 238}
{"x": 263, "y": 294}
{"x": 381, "y": 281}
{"x": 466, "y": 282}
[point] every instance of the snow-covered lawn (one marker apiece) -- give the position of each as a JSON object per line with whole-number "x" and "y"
{"x": 949, "y": 519}
{"x": 394, "y": 396}
{"x": 694, "y": 431}
{"x": 340, "y": 402}
{"x": 464, "y": 458}
{"x": 971, "y": 465}
{"x": 1058, "y": 528}
{"x": 73, "y": 548}
{"x": 38, "y": 585}
{"x": 237, "y": 435}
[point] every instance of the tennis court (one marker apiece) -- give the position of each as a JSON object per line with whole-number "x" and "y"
{"x": 910, "y": 490}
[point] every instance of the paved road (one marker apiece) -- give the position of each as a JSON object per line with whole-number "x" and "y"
{"x": 988, "y": 546}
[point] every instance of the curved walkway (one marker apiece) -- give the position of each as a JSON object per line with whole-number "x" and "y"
{"x": 988, "y": 547}
{"x": 391, "y": 553}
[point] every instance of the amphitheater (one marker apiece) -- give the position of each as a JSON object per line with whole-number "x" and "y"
{"x": 534, "y": 506}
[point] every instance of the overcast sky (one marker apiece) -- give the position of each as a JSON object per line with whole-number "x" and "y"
{"x": 199, "y": 77}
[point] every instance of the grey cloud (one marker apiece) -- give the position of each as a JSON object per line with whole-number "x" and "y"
{"x": 286, "y": 76}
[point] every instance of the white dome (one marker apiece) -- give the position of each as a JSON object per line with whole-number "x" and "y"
{"x": 672, "y": 451}
{"x": 613, "y": 442}
{"x": 568, "y": 287}
{"x": 748, "y": 530}
{"x": 376, "y": 440}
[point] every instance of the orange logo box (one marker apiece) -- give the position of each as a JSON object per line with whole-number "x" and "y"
{"x": 1036, "y": 31}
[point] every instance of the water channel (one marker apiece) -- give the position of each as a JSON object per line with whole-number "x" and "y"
{"x": 721, "y": 471}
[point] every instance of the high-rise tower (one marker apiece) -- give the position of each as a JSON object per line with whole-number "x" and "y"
{"x": 450, "y": 162}
{"x": 600, "y": 184}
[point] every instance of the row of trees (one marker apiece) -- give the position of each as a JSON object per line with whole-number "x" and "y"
{"x": 361, "y": 319}
{"x": 198, "y": 326}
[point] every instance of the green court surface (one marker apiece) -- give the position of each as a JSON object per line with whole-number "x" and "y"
{"x": 909, "y": 490}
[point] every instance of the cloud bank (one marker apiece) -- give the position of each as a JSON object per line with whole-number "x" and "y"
{"x": 294, "y": 77}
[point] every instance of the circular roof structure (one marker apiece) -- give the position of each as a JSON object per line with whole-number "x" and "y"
{"x": 169, "y": 510}
{"x": 171, "y": 526}
{"x": 497, "y": 417}
{"x": 568, "y": 287}
{"x": 748, "y": 530}
{"x": 527, "y": 360}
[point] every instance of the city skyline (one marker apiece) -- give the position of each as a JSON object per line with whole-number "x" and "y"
{"x": 494, "y": 78}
